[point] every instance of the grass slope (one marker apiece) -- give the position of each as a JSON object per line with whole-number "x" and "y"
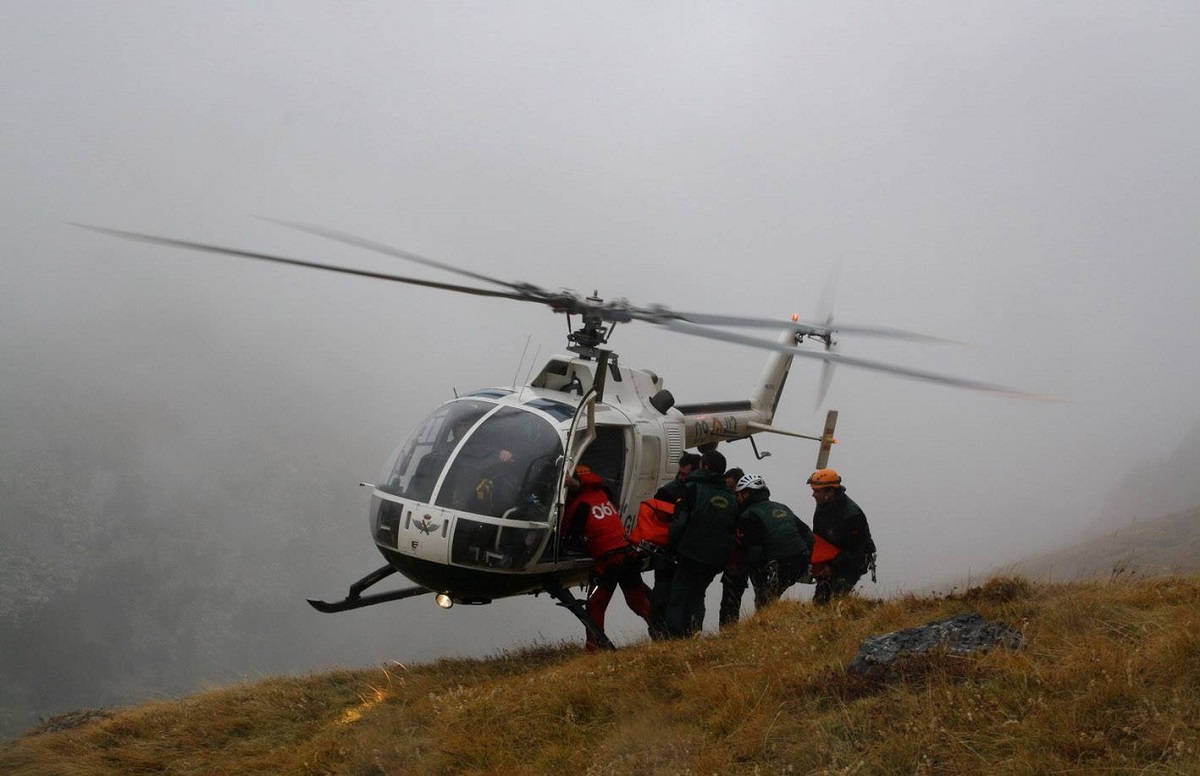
{"x": 1108, "y": 681}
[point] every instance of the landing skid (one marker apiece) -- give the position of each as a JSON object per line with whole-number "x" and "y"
{"x": 356, "y": 600}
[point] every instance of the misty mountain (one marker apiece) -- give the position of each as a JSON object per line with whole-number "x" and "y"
{"x": 1166, "y": 545}
{"x": 1156, "y": 487}
{"x": 139, "y": 554}
{"x": 1150, "y": 524}
{"x": 168, "y": 500}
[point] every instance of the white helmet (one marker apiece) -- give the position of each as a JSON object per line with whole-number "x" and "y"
{"x": 751, "y": 482}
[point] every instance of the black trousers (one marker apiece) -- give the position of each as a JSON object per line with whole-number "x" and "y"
{"x": 685, "y": 612}
{"x": 663, "y": 569}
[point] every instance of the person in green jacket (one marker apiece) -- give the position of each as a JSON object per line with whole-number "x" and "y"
{"x": 702, "y": 537}
{"x": 735, "y": 579}
{"x": 776, "y": 544}
{"x": 662, "y": 567}
{"x": 674, "y": 490}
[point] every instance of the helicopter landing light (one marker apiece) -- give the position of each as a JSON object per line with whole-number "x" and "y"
{"x": 444, "y": 600}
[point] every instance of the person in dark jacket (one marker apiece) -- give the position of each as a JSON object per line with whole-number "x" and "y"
{"x": 673, "y": 490}
{"x": 735, "y": 579}
{"x": 662, "y": 566}
{"x": 776, "y": 544}
{"x": 841, "y": 523}
{"x": 702, "y": 537}
{"x": 616, "y": 561}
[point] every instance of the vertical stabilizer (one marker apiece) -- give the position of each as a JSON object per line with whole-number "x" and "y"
{"x": 827, "y": 439}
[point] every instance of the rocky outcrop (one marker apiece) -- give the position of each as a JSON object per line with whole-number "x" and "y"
{"x": 959, "y": 635}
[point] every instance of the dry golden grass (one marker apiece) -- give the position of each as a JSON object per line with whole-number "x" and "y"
{"x": 1108, "y": 682}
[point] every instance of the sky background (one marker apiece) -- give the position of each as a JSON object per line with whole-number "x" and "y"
{"x": 1023, "y": 178}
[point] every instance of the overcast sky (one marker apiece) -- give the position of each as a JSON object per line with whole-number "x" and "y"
{"x": 1023, "y": 177}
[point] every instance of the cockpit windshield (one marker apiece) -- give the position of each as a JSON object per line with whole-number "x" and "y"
{"x": 416, "y": 465}
{"x": 504, "y": 466}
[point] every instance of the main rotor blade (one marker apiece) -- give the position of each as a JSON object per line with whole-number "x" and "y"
{"x": 198, "y": 246}
{"x": 346, "y": 238}
{"x": 371, "y": 245}
{"x": 804, "y": 327}
{"x": 837, "y": 358}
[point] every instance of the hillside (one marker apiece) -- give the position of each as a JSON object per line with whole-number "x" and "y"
{"x": 1107, "y": 681}
{"x": 1166, "y": 545}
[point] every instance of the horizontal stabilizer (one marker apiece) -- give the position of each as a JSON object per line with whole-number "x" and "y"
{"x": 769, "y": 429}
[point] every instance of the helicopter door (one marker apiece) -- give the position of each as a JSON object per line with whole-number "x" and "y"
{"x": 583, "y": 430}
{"x": 648, "y": 467}
{"x": 579, "y": 436}
{"x": 606, "y": 457}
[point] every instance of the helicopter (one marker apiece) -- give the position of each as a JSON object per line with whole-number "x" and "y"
{"x": 469, "y": 506}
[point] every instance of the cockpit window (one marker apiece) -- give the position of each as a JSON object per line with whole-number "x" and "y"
{"x": 491, "y": 393}
{"x": 507, "y": 468}
{"x": 414, "y": 468}
{"x": 556, "y": 409}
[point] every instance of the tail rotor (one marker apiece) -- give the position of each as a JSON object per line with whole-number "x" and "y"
{"x": 825, "y": 318}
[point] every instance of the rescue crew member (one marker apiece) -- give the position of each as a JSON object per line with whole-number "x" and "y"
{"x": 673, "y": 490}
{"x": 734, "y": 578}
{"x": 702, "y": 537}
{"x": 616, "y": 561}
{"x": 776, "y": 544}
{"x": 662, "y": 565}
{"x": 840, "y": 522}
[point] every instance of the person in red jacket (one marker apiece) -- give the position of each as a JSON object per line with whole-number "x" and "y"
{"x": 592, "y": 514}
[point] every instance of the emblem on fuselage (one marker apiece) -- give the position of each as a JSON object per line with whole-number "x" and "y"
{"x": 426, "y": 525}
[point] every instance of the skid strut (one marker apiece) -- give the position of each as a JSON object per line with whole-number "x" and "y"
{"x": 565, "y": 599}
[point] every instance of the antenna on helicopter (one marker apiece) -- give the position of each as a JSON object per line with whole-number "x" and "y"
{"x": 521, "y": 363}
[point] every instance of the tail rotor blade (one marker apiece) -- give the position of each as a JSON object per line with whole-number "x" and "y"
{"x": 829, "y": 296}
{"x": 825, "y": 314}
{"x": 826, "y": 379}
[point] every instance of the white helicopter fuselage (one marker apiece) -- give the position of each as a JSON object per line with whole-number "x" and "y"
{"x": 471, "y": 504}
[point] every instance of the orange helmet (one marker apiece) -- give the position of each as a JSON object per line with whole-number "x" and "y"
{"x": 824, "y": 478}
{"x": 587, "y": 477}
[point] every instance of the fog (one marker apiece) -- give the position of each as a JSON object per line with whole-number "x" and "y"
{"x": 183, "y": 434}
